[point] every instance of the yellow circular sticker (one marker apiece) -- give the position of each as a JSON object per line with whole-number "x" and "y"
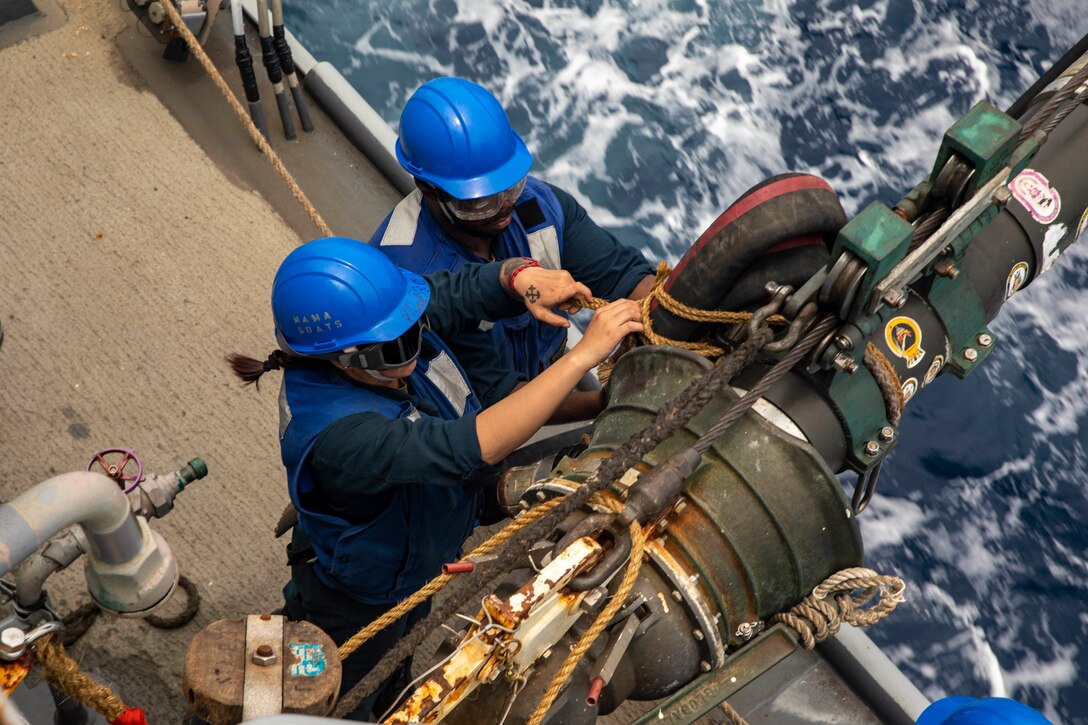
{"x": 910, "y": 387}
{"x": 904, "y": 338}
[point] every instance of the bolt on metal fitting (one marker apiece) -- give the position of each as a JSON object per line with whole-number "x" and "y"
{"x": 680, "y": 506}
{"x": 1001, "y": 196}
{"x": 844, "y": 342}
{"x": 985, "y": 340}
{"x": 704, "y": 666}
{"x": 945, "y": 267}
{"x": 677, "y": 595}
{"x": 894, "y": 298}
{"x": 697, "y": 634}
{"x": 13, "y": 644}
{"x": 264, "y": 656}
{"x": 872, "y": 448}
{"x": 844, "y": 363}
{"x": 970, "y": 354}
{"x": 887, "y": 433}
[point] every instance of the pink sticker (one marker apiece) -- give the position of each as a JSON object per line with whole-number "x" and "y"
{"x": 1034, "y": 192}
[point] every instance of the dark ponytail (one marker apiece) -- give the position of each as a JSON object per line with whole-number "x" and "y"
{"x": 250, "y": 370}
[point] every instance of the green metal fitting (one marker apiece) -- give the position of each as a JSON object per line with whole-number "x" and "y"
{"x": 957, "y": 304}
{"x": 879, "y": 238}
{"x": 985, "y": 138}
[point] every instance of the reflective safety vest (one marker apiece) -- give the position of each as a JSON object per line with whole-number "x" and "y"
{"x": 389, "y": 557}
{"x": 413, "y": 240}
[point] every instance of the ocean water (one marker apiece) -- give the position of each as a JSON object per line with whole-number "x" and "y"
{"x": 657, "y": 114}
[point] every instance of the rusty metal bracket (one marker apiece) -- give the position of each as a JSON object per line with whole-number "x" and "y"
{"x": 263, "y": 685}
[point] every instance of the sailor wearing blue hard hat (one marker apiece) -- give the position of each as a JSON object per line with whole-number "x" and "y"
{"x": 976, "y": 711}
{"x": 386, "y": 443}
{"x": 475, "y": 201}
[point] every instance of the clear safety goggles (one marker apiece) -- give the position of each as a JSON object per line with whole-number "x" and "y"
{"x": 387, "y": 355}
{"x": 485, "y": 207}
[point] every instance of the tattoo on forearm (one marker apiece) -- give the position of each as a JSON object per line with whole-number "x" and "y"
{"x": 532, "y": 294}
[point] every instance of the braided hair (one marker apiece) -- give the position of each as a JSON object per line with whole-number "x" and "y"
{"x": 249, "y": 370}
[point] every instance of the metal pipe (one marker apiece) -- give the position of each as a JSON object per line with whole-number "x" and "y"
{"x": 59, "y": 554}
{"x": 130, "y": 569}
{"x": 91, "y": 500}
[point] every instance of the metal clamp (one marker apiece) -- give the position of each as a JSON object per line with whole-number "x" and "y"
{"x": 14, "y": 641}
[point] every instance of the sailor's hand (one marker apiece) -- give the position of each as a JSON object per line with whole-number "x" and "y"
{"x": 606, "y": 330}
{"x": 542, "y": 289}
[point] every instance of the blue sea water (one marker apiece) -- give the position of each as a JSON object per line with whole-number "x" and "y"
{"x": 657, "y": 114}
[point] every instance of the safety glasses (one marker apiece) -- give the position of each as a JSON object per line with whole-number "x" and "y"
{"x": 485, "y": 207}
{"x": 386, "y": 355}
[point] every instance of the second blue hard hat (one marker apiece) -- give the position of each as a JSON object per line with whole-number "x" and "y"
{"x": 455, "y": 135}
{"x": 337, "y": 293}
{"x": 985, "y": 711}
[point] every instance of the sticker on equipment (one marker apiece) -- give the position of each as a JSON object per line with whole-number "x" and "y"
{"x": 1055, "y": 233}
{"x": 904, "y": 338}
{"x": 1018, "y": 275}
{"x": 934, "y": 368}
{"x": 1034, "y": 192}
{"x": 910, "y": 387}
{"x": 311, "y": 660}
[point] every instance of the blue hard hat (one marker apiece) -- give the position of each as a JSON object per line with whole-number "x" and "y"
{"x": 975, "y": 711}
{"x": 336, "y": 293}
{"x": 455, "y": 135}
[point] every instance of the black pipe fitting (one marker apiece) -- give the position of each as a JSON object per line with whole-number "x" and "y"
{"x": 658, "y": 487}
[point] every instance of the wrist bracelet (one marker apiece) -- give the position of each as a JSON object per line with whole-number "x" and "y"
{"x": 513, "y": 275}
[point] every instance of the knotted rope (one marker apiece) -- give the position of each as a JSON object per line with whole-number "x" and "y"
{"x": 816, "y": 618}
{"x": 671, "y": 304}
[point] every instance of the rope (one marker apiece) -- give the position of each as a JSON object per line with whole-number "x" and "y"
{"x": 63, "y": 673}
{"x": 677, "y": 413}
{"x": 888, "y": 381}
{"x": 247, "y": 123}
{"x": 780, "y": 368}
{"x": 674, "y": 415}
{"x": 731, "y": 715}
{"x": 678, "y": 308}
{"x": 192, "y": 605}
{"x": 1047, "y": 112}
{"x": 815, "y": 618}
{"x": 77, "y": 622}
{"x": 634, "y": 565}
{"x": 436, "y": 585}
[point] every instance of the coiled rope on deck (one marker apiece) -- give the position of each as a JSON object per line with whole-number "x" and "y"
{"x": 247, "y": 123}
{"x": 815, "y": 618}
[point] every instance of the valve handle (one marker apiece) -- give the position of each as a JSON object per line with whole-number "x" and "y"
{"x": 116, "y": 471}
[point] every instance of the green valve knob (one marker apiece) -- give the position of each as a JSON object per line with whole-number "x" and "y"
{"x": 193, "y": 471}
